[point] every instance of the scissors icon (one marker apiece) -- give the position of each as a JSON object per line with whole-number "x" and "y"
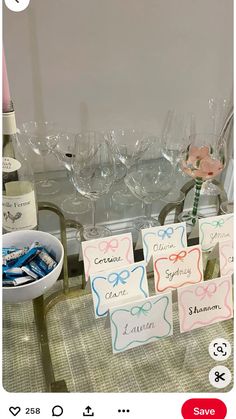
{"x": 219, "y": 376}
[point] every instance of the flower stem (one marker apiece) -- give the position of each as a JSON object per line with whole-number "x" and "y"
{"x": 198, "y": 186}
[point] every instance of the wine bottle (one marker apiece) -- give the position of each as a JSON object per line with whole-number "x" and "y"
{"x": 19, "y": 199}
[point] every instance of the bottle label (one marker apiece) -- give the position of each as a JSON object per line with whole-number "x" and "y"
{"x": 19, "y": 212}
{"x": 10, "y": 165}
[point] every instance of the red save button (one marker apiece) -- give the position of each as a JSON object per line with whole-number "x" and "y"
{"x": 204, "y": 408}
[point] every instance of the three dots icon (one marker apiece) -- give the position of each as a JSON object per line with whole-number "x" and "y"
{"x": 123, "y": 410}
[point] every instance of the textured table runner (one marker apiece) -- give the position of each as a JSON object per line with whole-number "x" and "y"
{"x": 82, "y": 354}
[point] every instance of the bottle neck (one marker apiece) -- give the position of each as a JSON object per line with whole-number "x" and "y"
{"x": 9, "y": 123}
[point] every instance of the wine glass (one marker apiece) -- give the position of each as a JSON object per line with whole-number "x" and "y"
{"x": 149, "y": 180}
{"x": 176, "y": 130}
{"x": 93, "y": 172}
{"x": 128, "y": 145}
{"x": 42, "y": 138}
{"x": 227, "y": 207}
{"x": 219, "y": 118}
{"x": 203, "y": 159}
{"x": 65, "y": 152}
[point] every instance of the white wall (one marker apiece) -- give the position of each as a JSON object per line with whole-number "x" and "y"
{"x": 105, "y": 63}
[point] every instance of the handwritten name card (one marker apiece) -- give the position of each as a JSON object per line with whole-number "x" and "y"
{"x": 226, "y": 251}
{"x": 176, "y": 269}
{"x": 161, "y": 239}
{"x": 107, "y": 253}
{"x": 112, "y": 288}
{"x": 206, "y": 303}
{"x": 215, "y": 229}
{"x": 141, "y": 322}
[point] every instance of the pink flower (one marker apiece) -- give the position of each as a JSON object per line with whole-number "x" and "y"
{"x": 207, "y": 168}
{"x": 210, "y": 167}
{"x": 197, "y": 153}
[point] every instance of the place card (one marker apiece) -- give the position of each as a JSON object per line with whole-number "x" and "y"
{"x": 141, "y": 322}
{"x": 107, "y": 253}
{"x": 112, "y": 288}
{"x": 165, "y": 238}
{"x": 206, "y": 303}
{"x": 226, "y": 251}
{"x": 177, "y": 269}
{"x": 215, "y": 229}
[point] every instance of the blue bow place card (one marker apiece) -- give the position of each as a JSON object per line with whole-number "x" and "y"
{"x": 215, "y": 229}
{"x": 141, "y": 322}
{"x": 165, "y": 238}
{"x": 116, "y": 286}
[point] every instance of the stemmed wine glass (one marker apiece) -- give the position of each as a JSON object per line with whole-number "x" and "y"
{"x": 93, "y": 172}
{"x": 176, "y": 130}
{"x": 149, "y": 180}
{"x": 42, "y": 138}
{"x": 203, "y": 160}
{"x": 227, "y": 207}
{"x": 65, "y": 152}
{"x": 219, "y": 118}
{"x": 128, "y": 145}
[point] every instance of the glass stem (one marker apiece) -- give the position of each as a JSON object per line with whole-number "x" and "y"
{"x": 93, "y": 213}
{"x": 76, "y": 196}
{"x": 45, "y": 181}
{"x": 198, "y": 186}
{"x": 148, "y": 210}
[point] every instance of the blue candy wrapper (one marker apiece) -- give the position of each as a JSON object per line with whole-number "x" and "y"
{"x": 27, "y": 257}
{"x": 7, "y": 250}
{"x": 27, "y": 269}
{"x": 10, "y": 258}
{"x": 36, "y": 269}
{"x": 47, "y": 259}
{"x": 14, "y": 273}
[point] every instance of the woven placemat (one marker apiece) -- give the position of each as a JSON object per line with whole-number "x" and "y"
{"x": 82, "y": 354}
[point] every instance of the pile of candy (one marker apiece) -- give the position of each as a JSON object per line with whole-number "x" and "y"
{"x": 21, "y": 266}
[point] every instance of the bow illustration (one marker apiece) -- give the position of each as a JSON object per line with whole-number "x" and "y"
{"x": 217, "y": 223}
{"x": 112, "y": 245}
{"x": 117, "y": 278}
{"x": 166, "y": 233}
{"x": 178, "y": 256}
{"x": 207, "y": 291}
{"x": 144, "y": 309}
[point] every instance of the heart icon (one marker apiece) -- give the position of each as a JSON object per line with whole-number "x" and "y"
{"x": 14, "y": 410}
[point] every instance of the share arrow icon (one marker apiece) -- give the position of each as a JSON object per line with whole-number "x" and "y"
{"x": 88, "y": 411}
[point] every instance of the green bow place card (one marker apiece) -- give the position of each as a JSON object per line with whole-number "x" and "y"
{"x": 141, "y": 322}
{"x": 215, "y": 229}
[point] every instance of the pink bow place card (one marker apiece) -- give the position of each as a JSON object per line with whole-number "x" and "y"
{"x": 215, "y": 229}
{"x": 206, "y": 303}
{"x": 163, "y": 239}
{"x": 226, "y": 251}
{"x": 107, "y": 253}
{"x": 177, "y": 269}
{"x": 118, "y": 286}
{"x": 141, "y": 322}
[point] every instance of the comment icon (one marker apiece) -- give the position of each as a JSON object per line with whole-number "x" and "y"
{"x": 57, "y": 411}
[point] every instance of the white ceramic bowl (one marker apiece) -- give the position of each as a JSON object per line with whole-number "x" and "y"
{"x": 35, "y": 289}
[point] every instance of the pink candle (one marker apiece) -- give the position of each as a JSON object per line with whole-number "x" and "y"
{"x": 6, "y": 97}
